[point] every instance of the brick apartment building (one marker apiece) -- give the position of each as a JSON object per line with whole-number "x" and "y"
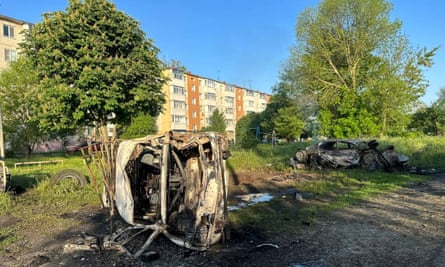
{"x": 191, "y": 100}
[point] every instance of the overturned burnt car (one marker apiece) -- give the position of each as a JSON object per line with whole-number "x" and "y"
{"x": 173, "y": 184}
{"x": 344, "y": 153}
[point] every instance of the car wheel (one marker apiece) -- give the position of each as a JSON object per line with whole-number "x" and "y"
{"x": 69, "y": 174}
{"x": 301, "y": 156}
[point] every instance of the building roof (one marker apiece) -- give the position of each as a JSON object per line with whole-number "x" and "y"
{"x": 17, "y": 21}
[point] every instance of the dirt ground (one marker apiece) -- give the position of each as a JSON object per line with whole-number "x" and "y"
{"x": 404, "y": 228}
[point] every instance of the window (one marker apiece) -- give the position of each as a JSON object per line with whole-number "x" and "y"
{"x": 194, "y": 115}
{"x": 10, "y": 55}
{"x": 178, "y": 104}
{"x": 8, "y": 31}
{"x": 250, "y": 103}
{"x": 228, "y": 111}
{"x": 193, "y": 88}
{"x": 210, "y": 83}
{"x": 210, "y": 109}
{"x": 193, "y": 101}
{"x": 262, "y": 96}
{"x": 210, "y": 96}
{"x": 178, "y": 119}
{"x": 250, "y": 93}
{"x": 178, "y": 75}
{"x": 195, "y": 128}
{"x": 178, "y": 90}
{"x": 230, "y": 100}
{"x": 230, "y": 88}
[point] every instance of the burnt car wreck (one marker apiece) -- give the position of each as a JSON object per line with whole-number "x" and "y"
{"x": 173, "y": 184}
{"x": 342, "y": 153}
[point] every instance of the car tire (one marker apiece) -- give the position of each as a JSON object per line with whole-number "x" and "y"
{"x": 301, "y": 156}
{"x": 69, "y": 174}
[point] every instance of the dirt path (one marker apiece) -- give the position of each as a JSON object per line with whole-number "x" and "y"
{"x": 405, "y": 228}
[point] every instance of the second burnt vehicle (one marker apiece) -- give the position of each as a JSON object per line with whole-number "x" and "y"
{"x": 349, "y": 153}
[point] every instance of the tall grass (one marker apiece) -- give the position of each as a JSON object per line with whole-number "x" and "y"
{"x": 42, "y": 204}
{"x": 27, "y": 176}
{"x": 35, "y": 180}
{"x": 427, "y": 151}
{"x": 264, "y": 156}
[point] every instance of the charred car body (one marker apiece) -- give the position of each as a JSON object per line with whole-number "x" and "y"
{"x": 173, "y": 184}
{"x": 344, "y": 153}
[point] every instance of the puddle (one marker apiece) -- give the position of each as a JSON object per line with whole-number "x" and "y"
{"x": 250, "y": 200}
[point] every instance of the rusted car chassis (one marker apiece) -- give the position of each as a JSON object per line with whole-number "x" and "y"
{"x": 173, "y": 184}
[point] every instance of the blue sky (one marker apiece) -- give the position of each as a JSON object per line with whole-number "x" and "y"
{"x": 245, "y": 42}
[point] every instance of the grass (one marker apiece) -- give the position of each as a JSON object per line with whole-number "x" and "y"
{"x": 8, "y": 236}
{"x": 264, "y": 156}
{"x": 332, "y": 190}
{"x": 428, "y": 151}
{"x": 44, "y": 205}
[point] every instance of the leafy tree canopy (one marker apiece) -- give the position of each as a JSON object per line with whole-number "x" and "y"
{"x": 217, "y": 122}
{"x": 288, "y": 123}
{"x": 354, "y": 64}
{"x": 140, "y": 126}
{"x": 430, "y": 120}
{"x": 246, "y": 130}
{"x": 18, "y": 87}
{"x": 95, "y": 66}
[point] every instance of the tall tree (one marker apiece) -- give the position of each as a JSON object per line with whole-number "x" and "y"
{"x": 95, "y": 66}
{"x": 353, "y": 61}
{"x": 278, "y": 100}
{"x": 441, "y": 98}
{"x": 429, "y": 120}
{"x": 288, "y": 123}
{"x": 217, "y": 122}
{"x": 18, "y": 85}
{"x": 140, "y": 126}
{"x": 246, "y": 130}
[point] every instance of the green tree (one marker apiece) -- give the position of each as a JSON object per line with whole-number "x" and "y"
{"x": 246, "y": 130}
{"x": 217, "y": 122}
{"x": 278, "y": 100}
{"x": 288, "y": 123}
{"x": 441, "y": 98}
{"x": 429, "y": 120}
{"x": 18, "y": 85}
{"x": 140, "y": 126}
{"x": 353, "y": 62}
{"x": 95, "y": 66}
